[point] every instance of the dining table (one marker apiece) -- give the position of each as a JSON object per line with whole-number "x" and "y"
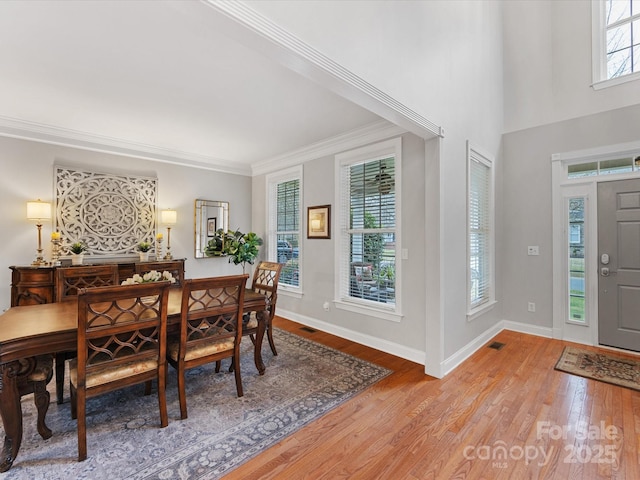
{"x": 28, "y": 331}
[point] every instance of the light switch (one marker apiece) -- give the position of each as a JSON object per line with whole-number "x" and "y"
{"x": 533, "y": 250}
{"x": 405, "y": 254}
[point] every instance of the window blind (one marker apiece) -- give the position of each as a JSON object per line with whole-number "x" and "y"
{"x": 479, "y": 213}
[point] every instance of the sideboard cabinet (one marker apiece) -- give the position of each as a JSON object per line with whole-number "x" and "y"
{"x": 31, "y": 285}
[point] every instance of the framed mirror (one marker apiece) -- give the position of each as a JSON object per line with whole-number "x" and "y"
{"x": 210, "y": 217}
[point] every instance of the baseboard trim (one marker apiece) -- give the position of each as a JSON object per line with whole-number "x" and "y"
{"x": 386, "y": 346}
{"x": 411, "y": 354}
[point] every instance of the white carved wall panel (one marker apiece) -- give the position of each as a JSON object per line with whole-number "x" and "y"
{"x": 110, "y": 213}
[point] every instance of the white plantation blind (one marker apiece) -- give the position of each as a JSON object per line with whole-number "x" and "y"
{"x": 480, "y": 230}
{"x": 369, "y": 225}
{"x": 288, "y": 206}
{"x": 284, "y": 220}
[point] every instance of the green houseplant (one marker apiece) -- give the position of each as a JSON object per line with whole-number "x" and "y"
{"x": 77, "y": 250}
{"x": 241, "y": 248}
{"x": 143, "y": 248}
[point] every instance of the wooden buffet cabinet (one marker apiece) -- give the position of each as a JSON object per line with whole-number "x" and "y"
{"x": 31, "y": 285}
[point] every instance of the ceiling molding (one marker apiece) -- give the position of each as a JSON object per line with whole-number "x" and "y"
{"x": 16, "y": 128}
{"x": 259, "y": 33}
{"x": 340, "y": 143}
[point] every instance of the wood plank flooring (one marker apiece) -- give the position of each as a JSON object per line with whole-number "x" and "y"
{"x": 503, "y": 414}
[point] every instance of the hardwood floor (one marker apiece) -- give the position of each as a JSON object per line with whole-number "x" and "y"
{"x": 503, "y": 414}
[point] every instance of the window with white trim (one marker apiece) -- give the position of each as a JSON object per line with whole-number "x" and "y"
{"x": 369, "y": 224}
{"x": 480, "y": 230}
{"x": 616, "y": 41}
{"x": 284, "y": 226}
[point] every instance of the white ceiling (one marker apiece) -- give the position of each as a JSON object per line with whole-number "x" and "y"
{"x": 158, "y": 74}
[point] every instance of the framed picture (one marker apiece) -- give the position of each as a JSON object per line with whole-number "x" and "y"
{"x": 319, "y": 221}
{"x": 212, "y": 226}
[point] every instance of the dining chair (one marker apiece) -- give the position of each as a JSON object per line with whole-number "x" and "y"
{"x": 69, "y": 281}
{"x": 121, "y": 342}
{"x": 265, "y": 281}
{"x": 210, "y": 327}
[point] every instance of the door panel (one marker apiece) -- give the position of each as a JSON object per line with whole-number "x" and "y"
{"x": 619, "y": 279}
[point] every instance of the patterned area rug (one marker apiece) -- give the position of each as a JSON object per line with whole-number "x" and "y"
{"x": 608, "y": 368}
{"x": 124, "y": 439}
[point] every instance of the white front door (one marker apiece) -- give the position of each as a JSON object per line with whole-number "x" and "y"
{"x": 619, "y": 264}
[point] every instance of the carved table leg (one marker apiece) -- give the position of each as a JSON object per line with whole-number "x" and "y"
{"x": 42, "y": 397}
{"x": 11, "y": 413}
{"x": 261, "y": 316}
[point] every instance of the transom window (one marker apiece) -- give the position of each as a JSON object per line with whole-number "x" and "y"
{"x": 627, "y": 164}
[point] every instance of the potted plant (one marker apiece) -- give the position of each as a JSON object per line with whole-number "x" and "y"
{"x": 143, "y": 249}
{"x": 77, "y": 250}
{"x": 242, "y": 248}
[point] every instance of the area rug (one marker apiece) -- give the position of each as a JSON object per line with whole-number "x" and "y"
{"x": 124, "y": 439}
{"x": 609, "y": 368}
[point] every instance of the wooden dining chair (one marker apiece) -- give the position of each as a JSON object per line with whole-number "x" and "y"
{"x": 69, "y": 281}
{"x": 210, "y": 327}
{"x": 121, "y": 342}
{"x": 265, "y": 281}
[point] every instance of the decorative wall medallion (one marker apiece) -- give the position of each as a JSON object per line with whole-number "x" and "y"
{"x": 110, "y": 213}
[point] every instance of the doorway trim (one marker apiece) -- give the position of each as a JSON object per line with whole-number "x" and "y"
{"x": 564, "y": 188}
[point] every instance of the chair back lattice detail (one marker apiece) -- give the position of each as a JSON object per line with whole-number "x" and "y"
{"x": 121, "y": 322}
{"x": 72, "y": 279}
{"x": 138, "y": 320}
{"x": 265, "y": 280}
{"x": 212, "y": 308}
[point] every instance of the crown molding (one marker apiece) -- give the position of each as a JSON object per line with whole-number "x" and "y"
{"x": 240, "y": 21}
{"x": 16, "y": 128}
{"x": 373, "y": 132}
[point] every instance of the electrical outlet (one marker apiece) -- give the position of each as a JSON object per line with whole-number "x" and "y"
{"x": 531, "y": 307}
{"x": 533, "y": 250}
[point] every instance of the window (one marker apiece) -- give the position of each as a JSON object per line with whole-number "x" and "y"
{"x": 616, "y": 41}
{"x": 284, "y": 224}
{"x": 576, "y": 267}
{"x": 606, "y": 166}
{"x": 368, "y": 234}
{"x": 480, "y": 281}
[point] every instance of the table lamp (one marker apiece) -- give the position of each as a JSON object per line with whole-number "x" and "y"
{"x": 39, "y": 211}
{"x": 168, "y": 218}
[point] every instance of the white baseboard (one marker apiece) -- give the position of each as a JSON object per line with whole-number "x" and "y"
{"x": 536, "y": 330}
{"x": 386, "y": 346}
{"x": 411, "y": 354}
{"x": 450, "y": 363}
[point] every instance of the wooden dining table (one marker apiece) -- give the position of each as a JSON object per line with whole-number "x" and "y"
{"x": 32, "y": 330}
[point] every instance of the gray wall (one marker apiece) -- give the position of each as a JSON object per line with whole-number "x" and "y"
{"x": 527, "y": 203}
{"x": 318, "y": 255}
{"x": 26, "y": 169}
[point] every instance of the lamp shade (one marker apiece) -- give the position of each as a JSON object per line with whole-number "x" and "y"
{"x": 38, "y": 210}
{"x": 168, "y": 217}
